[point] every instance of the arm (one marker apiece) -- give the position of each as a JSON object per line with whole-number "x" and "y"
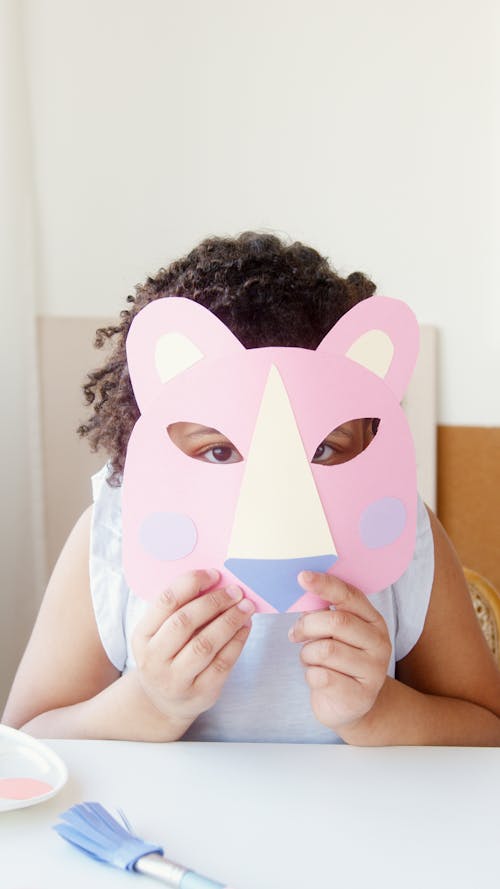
{"x": 447, "y": 689}
{"x": 66, "y": 687}
{"x": 448, "y": 686}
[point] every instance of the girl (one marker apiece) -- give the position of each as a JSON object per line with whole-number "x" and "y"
{"x": 408, "y": 665}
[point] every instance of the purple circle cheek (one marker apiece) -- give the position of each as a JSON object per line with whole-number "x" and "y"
{"x": 168, "y": 535}
{"x": 382, "y": 522}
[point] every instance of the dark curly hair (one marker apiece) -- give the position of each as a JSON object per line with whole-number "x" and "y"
{"x": 267, "y": 292}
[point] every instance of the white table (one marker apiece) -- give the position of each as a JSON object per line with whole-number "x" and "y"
{"x": 265, "y": 816}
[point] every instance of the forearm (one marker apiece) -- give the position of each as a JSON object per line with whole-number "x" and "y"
{"x": 122, "y": 711}
{"x": 403, "y": 716}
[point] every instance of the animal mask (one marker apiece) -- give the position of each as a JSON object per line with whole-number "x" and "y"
{"x": 262, "y": 520}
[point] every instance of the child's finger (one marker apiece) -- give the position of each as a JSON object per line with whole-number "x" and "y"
{"x": 320, "y": 678}
{"x": 342, "y": 626}
{"x": 337, "y": 656}
{"x": 205, "y": 646}
{"x": 186, "y": 624}
{"x": 343, "y": 595}
{"x": 181, "y": 591}
{"x": 337, "y": 698}
{"x": 214, "y": 676}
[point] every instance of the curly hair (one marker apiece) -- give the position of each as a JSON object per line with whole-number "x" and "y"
{"x": 267, "y": 292}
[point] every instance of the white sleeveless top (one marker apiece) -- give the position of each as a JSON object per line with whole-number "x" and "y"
{"x": 266, "y": 697}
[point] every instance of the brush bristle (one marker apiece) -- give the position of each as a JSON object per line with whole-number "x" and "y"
{"x": 93, "y": 830}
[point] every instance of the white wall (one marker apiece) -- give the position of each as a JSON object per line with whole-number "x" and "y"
{"x": 368, "y": 129}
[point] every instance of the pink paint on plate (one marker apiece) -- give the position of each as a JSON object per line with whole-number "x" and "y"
{"x": 23, "y": 788}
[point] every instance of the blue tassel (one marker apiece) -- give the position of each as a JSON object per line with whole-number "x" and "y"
{"x": 93, "y": 830}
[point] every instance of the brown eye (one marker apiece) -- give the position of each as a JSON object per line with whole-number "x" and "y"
{"x": 346, "y": 441}
{"x": 220, "y": 454}
{"x": 323, "y": 453}
{"x": 203, "y": 443}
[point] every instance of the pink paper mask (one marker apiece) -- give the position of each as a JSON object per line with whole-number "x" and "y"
{"x": 262, "y": 520}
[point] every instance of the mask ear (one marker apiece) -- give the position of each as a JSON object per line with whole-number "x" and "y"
{"x": 168, "y": 336}
{"x": 382, "y": 335}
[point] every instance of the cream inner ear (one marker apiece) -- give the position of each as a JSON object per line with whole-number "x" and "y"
{"x": 174, "y": 353}
{"x": 374, "y": 350}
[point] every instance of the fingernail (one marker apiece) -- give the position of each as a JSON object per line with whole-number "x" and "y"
{"x": 212, "y": 573}
{"x": 234, "y": 592}
{"x": 207, "y": 578}
{"x": 246, "y": 605}
{"x": 291, "y": 634}
{"x": 306, "y": 577}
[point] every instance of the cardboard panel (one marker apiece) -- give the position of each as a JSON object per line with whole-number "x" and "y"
{"x": 469, "y": 495}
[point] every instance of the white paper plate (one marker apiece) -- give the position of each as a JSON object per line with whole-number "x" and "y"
{"x": 22, "y": 756}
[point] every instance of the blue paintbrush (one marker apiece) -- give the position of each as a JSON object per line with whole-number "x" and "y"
{"x": 94, "y": 831}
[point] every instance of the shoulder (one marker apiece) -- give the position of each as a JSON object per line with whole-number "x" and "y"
{"x": 450, "y": 603}
{"x": 72, "y": 564}
{"x": 64, "y": 661}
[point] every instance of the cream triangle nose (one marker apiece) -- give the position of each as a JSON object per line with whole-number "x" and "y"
{"x": 279, "y": 518}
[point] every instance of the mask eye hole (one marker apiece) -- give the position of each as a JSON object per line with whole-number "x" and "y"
{"x": 203, "y": 443}
{"x": 346, "y": 441}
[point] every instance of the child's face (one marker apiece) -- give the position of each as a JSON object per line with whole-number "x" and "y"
{"x": 211, "y": 446}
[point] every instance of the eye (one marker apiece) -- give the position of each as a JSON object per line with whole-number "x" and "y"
{"x": 346, "y": 441}
{"x": 203, "y": 443}
{"x": 220, "y": 454}
{"x": 323, "y": 453}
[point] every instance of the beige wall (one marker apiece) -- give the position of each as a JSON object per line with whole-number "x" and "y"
{"x": 65, "y": 344}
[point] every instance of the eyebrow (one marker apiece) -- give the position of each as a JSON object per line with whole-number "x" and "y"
{"x": 342, "y": 431}
{"x": 205, "y": 430}
{"x": 208, "y": 430}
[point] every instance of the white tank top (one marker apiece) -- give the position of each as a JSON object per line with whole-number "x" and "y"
{"x": 266, "y": 697}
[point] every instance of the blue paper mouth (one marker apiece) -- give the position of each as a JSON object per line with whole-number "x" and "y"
{"x": 275, "y": 580}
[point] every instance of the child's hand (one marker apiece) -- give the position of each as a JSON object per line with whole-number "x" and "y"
{"x": 187, "y": 643}
{"x": 346, "y": 651}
